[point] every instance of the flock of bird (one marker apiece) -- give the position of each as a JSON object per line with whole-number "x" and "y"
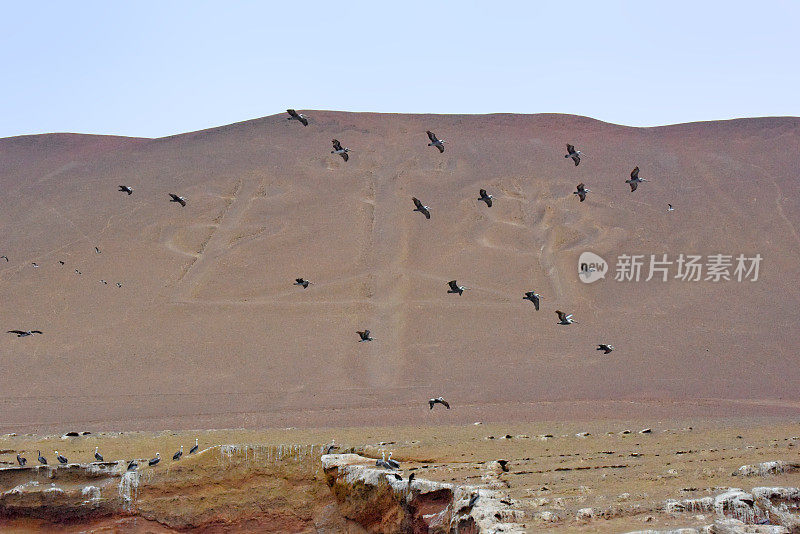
{"x": 453, "y": 286}
{"x": 132, "y": 465}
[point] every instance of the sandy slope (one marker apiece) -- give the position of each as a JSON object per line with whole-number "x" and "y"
{"x": 207, "y": 330}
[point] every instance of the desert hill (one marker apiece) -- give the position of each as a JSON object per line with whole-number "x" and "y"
{"x": 207, "y": 329}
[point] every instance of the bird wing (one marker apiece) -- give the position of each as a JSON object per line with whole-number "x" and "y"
{"x": 304, "y": 121}
{"x": 417, "y": 203}
{"x": 634, "y": 185}
{"x": 582, "y": 195}
{"x": 483, "y": 193}
{"x": 16, "y": 332}
{"x": 635, "y": 173}
{"x": 570, "y": 149}
{"x": 292, "y": 112}
{"x": 426, "y": 212}
{"x": 36, "y": 332}
{"x": 581, "y": 187}
{"x": 445, "y": 403}
{"x": 431, "y": 136}
{"x": 561, "y": 315}
{"x": 453, "y": 285}
{"x": 366, "y": 333}
{"x": 441, "y": 148}
{"x": 345, "y": 156}
{"x": 336, "y": 144}
{"x": 431, "y": 403}
{"x": 299, "y": 280}
{"x": 489, "y": 202}
{"x": 361, "y": 334}
{"x": 535, "y": 302}
{"x": 577, "y": 159}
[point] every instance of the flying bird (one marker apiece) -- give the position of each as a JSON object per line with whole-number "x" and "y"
{"x": 77, "y": 271}
{"x": 533, "y": 297}
{"x": 438, "y": 400}
{"x": 119, "y": 284}
{"x": 96, "y": 250}
{"x": 35, "y": 265}
{"x": 295, "y": 116}
{"x": 61, "y": 262}
{"x": 97, "y": 455}
{"x": 179, "y": 200}
{"x": 574, "y": 154}
{"x": 61, "y": 459}
{"x": 420, "y": 207}
{"x": 564, "y": 318}
{"x": 125, "y": 189}
{"x": 177, "y": 455}
{"x": 301, "y": 282}
{"x": 605, "y": 348}
{"x": 581, "y": 192}
{"x": 635, "y": 180}
{"x": 21, "y": 461}
{"x": 435, "y": 141}
{"x": 42, "y": 459}
{"x": 337, "y": 149}
{"x": 104, "y": 282}
{"x": 364, "y": 336}
{"x": 4, "y": 257}
{"x": 154, "y": 461}
{"x": 24, "y": 333}
{"x": 486, "y": 197}
{"x": 670, "y": 208}
{"x": 196, "y": 446}
{"x": 455, "y": 288}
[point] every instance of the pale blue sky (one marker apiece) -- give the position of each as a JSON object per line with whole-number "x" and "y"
{"x": 151, "y": 69}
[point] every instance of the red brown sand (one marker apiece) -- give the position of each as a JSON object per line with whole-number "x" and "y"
{"x": 208, "y": 331}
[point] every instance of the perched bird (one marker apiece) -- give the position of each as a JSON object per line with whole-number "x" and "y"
{"x": 97, "y": 455}
{"x": 42, "y": 459}
{"x": 581, "y": 192}
{"x": 364, "y": 336}
{"x": 177, "y": 455}
{"x": 61, "y": 459}
{"x": 574, "y": 154}
{"x": 435, "y": 141}
{"x": 420, "y": 207}
{"x": 392, "y": 463}
{"x": 125, "y": 189}
{"x": 438, "y": 400}
{"x": 179, "y": 200}
{"x": 132, "y": 466}
{"x": 332, "y": 447}
{"x": 337, "y": 149}
{"x": 564, "y": 318}
{"x": 154, "y": 461}
{"x": 196, "y": 446}
{"x": 670, "y": 208}
{"x": 486, "y": 197}
{"x": 473, "y": 499}
{"x": 411, "y": 478}
{"x": 455, "y": 288}
{"x": 302, "y": 282}
{"x": 24, "y": 333}
{"x": 635, "y": 180}
{"x": 21, "y": 461}
{"x": 533, "y": 297}
{"x": 382, "y": 462}
{"x": 4, "y": 257}
{"x": 395, "y": 476}
{"x": 295, "y": 116}
{"x": 503, "y": 465}
{"x": 605, "y": 348}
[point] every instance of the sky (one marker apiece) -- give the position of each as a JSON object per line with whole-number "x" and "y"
{"x": 157, "y": 68}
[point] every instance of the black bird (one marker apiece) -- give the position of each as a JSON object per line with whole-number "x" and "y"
{"x": 364, "y": 336}
{"x": 395, "y": 475}
{"x": 503, "y": 465}
{"x": 420, "y": 207}
{"x": 154, "y": 461}
{"x": 455, "y": 288}
{"x": 61, "y": 459}
{"x": 295, "y": 116}
{"x": 605, "y": 348}
{"x": 581, "y": 192}
{"x": 42, "y": 459}
{"x": 97, "y": 455}
{"x": 438, "y": 400}
{"x": 196, "y": 446}
{"x": 21, "y": 461}
{"x": 132, "y": 465}
{"x": 635, "y": 180}
{"x": 24, "y": 333}
{"x": 177, "y": 455}
{"x": 435, "y": 141}
{"x": 565, "y": 318}
{"x": 4, "y": 257}
{"x": 301, "y": 282}
{"x": 411, "y": 478}
{"x": 125, "y": 189}
{"x": 574, "y": 154}
{"x": 337, "y": 149}
{"x": 96, "y": 250}
{"x": 533, "y": 297}
{"x": 179, "y": 200}
{"x": 486, "y": 197}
